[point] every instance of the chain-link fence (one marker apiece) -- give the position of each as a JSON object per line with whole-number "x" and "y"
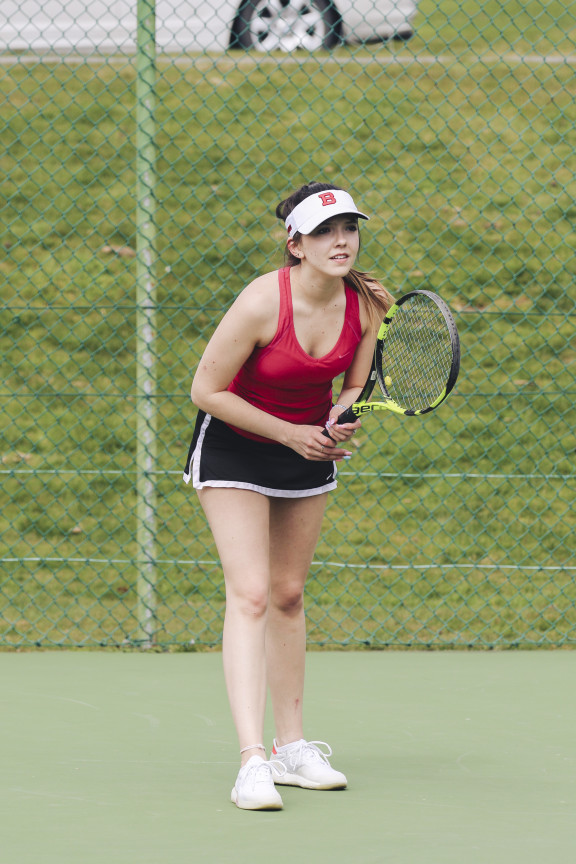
{"x": 143, "y": 154}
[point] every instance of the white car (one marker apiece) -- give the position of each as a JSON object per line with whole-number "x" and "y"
{"x": 202, "y": 25}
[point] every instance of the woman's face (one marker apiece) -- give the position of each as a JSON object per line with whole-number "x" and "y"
{"x": 332, "y": 248}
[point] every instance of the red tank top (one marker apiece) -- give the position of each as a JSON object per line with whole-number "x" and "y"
{"x": 285, "y": 381}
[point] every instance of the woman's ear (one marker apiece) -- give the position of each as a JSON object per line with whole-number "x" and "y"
{"x": 294, "y": 248}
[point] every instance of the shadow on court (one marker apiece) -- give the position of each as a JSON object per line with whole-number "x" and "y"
{"x": 451, "y": 757}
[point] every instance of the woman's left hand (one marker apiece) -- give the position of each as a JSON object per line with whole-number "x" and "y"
{"x": 340, "y": 433}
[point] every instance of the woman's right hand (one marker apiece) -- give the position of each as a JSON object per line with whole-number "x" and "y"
{"x": 311, "y": 443}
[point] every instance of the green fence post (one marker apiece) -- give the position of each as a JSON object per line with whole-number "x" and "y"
{"x": 145, "y": 318}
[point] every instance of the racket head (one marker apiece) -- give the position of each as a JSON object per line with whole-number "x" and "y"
{"x": 417, "y": 355}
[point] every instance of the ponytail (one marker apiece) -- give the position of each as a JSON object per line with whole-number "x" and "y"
{"x": 377, "y": 299}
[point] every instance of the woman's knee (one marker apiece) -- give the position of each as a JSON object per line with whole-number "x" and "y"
{"x": 288, "y": 599}
{"x": 249, "y": 601}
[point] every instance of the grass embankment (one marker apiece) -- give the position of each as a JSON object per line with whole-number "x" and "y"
{"x": 466, "y": 166}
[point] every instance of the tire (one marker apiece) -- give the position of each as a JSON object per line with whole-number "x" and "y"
{"x": 286, "y": 25}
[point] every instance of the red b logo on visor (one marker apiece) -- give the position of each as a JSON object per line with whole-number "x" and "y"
{"x": 327, "y": 198}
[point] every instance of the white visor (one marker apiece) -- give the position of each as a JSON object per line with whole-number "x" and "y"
{"x": 318, "y": 207}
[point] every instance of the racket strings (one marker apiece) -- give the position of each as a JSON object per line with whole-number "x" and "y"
{"x": 417, "y": 355}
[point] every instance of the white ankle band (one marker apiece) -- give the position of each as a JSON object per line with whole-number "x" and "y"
{"x": 253, "y": 747}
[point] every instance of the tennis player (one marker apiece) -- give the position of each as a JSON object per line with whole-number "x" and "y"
{"x": 263, "y": 469}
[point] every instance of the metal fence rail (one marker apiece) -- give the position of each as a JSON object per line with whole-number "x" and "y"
{"x": 144, "y": 152}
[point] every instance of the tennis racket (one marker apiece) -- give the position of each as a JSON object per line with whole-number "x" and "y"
{"x": 416, "y": 359}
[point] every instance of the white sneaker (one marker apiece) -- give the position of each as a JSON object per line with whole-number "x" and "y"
{"x": 254, "y": 788}
{"x": 306, "y": 765}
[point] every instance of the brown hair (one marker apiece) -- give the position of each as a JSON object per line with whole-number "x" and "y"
{"x": 376, "y": 297}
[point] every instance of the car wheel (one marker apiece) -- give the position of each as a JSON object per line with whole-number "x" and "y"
{"x": 286, "y": 25}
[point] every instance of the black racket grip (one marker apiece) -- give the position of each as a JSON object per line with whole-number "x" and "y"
{"x": 347, "y": 416}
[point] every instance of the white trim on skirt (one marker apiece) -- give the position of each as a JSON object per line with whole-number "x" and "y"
{"x": 251, "y": 487}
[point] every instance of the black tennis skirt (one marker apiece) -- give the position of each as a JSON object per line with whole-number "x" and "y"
{"x": 219, "y": 456}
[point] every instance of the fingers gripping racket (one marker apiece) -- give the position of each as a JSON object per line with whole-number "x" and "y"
{"x": 416, "y": 359}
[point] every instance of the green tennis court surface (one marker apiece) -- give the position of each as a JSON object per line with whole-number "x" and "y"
{"x": 451, "y": 757}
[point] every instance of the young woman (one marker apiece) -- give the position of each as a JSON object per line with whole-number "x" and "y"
{"x": 263, "y": 469}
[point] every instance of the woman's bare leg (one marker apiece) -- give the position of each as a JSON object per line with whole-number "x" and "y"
{"x": 294, "y": 530}
{"x": 239, "y": 521}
